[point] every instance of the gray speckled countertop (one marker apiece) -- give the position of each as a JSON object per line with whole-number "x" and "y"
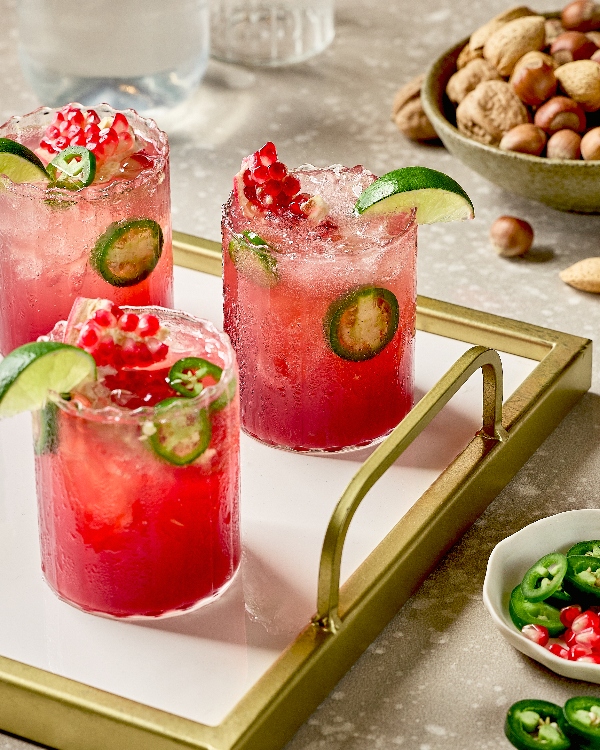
{"x": 439, "y": 676}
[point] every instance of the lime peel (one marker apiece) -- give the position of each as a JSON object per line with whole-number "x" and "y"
{"x": 31, "y": 372}
{"x": 435, "y": 195}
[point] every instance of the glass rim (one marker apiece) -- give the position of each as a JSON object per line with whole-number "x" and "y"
{"x": 92, "y": 192}
{"x": 115, "y": 414}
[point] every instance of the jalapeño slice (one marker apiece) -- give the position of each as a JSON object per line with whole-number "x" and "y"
{"x": 536, "y": 724}
{"x": 590, "y": 549}
{"x": 128, "y": 251}
{"x": 583, "y": 574}
{"x": 523, "y": 612}
{"x": 182, "y": 432}
{"x": 582, "y": 715}
{"x": 362, "y": 322}
{"x": 544, "y": 578}
{"x": 253, "y": 258}
{"x": 187, "y": 374}
{"x": 73, "y": 168}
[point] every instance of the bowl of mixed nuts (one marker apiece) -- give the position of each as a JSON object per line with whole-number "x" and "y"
{"x": 519, "y": 102}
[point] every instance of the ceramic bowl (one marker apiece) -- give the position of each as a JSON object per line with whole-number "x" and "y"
{"x": 564, "y": 184}
{"x": 511, "y": 559}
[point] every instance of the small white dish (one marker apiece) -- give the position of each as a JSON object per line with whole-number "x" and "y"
{"x": 509, "y": 562}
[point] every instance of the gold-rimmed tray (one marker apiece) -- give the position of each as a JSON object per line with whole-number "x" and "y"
{"x": 67, "y": 714}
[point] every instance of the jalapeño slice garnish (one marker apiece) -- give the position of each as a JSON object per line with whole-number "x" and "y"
{"x": 582, "y": 714}
{"x": 182, "y": 431}
{"x": 523, "y": 612}
{"x": 544, "y": 578}
{"x": 583, "y": 574}
{"x": 535, "y": 724}
{"x": 187, "y": 374}
{"x": 128, "y": 251}
{"x": 362, "y": 322}
{"x": 253, "y": 258}
{"x": 73, "y": 168}
{"x": 590, "y": 548}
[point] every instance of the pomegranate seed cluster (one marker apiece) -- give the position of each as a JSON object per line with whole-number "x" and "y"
{"x": 109, "y": 139}
{"x": 581, "y": 639}
{"x": 121, "y": 339}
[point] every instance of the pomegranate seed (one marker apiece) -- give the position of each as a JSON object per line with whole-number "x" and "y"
{"x": 116, "y": 311}
{"x": 267, "y": 154}
{"x": 247, "y": 177}
{"x": 93, "y": 116}
{"x": 92, "y": 131}
{"x": 47, "y": 146}
{"x": 120, "y": 124}
{"x": 105, "y": 318}
{"x": 52, "y": 131}
{"x": 61, "y": 142}
{"x": 291, "y": 185}
{"x": 569, "y": 637}
{"x": 89, "y": 336}
{"x": 536, "y": 633}
{"x": 577, "y": 651}
{"x": 588, "y": 637}
{"x": 272, "y": 188}
{"x": 104, "y": 354}
{"x": 558, "y": 650}
{"x": 157, "y": 349}
{"x": 76, "y": 116}
{"x": 78, "y": 140}
{"x": 128, "y": 322}
{"x": 260, "y": 175}
{"x": 592, "y": 658}
{"x": 277, "y": 171}
{"x": 250, "y": 193}
{"x": 585, "y": 620}
{"x": 568, "y": 614}
{"x": 296, "y": 208}
{"x": 148, "y": 325}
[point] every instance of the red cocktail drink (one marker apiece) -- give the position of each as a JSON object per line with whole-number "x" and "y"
{"x": 138, "y": 485}
{"x": 320, "y": 309}
{"x": 111, "y": 238}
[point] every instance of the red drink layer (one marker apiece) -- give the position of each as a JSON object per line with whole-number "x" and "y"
{"x": 48, "y": 234}
{"x": 297, "y": 392}
{"x": 124, "y": 532}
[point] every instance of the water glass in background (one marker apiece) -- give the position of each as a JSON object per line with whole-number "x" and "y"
{"x": 270, "y": 32}
{"x": 142, "y": 54}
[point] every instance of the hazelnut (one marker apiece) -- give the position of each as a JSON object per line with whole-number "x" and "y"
{"x": 581, "y": 15}
{"x": 513, "y": 40}
{"x": 533, "y": 79}
{"x": 487, "y": 112}
{"x": 590, "y": 145}
{"x": 553, "y": 28}
{"x": 511, "y": 236}
{"x": 559, "y": 113}
{"x": 481, "y": 35}
{"x": 467, "y": 78}
{"x": 564, "y": 144}
{"x": 408, "y": 114}
{"x": 581, "y": 82}
{"x": 466, "y": 55}
{"x": 572, "y": 45}
{"x": 526, "y": 139}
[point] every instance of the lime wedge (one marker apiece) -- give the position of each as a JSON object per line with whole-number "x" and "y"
{"x": 436, "y": 196}
{"x": 29, "y": 373}
{"x": 20, "y": 164}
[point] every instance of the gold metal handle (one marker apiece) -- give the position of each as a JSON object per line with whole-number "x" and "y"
{"x": 479, "y": 357}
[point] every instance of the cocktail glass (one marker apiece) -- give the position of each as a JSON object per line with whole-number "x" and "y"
{"x": 48, "y": 235}
{"x": 125, "y": 532}
{"x": 287, "y": 300}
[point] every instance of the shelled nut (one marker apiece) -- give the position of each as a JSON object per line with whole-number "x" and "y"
{"x": 564, "y": 144}
{"x": 590, "y": 145}
{"x": 581, "y": 82}
{"x": 489, "y": 111}
{"x": 482, "y": 34}
{"x": 584, "y": 275}
{"x": 468, "y": 78}
{"x": 533, "y": 79}
{"x": 572, "y": 45}
{"x": 581, "y": 15}
{"x": 526, "y": 139}
{"x": 513, "y": 40}
{"x": 466, "y": 55}
{"x": 511, "y": 236}
{"x": 559, "y": 113}
{"x": 553, "y": 28}
{"x": 408, "y": 114}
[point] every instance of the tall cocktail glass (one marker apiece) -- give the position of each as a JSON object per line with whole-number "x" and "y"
{"x": 48, "y": 235}
{"x": 294, "y": 304}
{"x": 129, "y": 527}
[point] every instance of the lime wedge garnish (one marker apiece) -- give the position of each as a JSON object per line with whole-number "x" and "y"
{"x": 20, "y": 164}
{"x": 436, "y": 196}
{"x": 29, "y": 373}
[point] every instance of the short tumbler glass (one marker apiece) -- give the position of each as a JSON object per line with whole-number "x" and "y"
{"x": 270, "y": 32}
{"x": 125, "y": 533}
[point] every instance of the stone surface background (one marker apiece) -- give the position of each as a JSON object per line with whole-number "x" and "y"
{"x": 439, "y": 676}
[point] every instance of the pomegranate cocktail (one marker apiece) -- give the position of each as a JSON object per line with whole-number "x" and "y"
{"x": 319, "y": 305}
{"x": 138, "y": 468}
{"x": 84, "y": 210}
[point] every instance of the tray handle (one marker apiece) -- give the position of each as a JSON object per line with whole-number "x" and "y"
{"x": 477, "y": 358}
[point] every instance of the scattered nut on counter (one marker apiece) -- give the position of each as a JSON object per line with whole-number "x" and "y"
{"x": 511, "y": 236}
{"x": 552, "y": 69}
{"x": 408, "y": 114}
{"x": 584, "y": 275}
